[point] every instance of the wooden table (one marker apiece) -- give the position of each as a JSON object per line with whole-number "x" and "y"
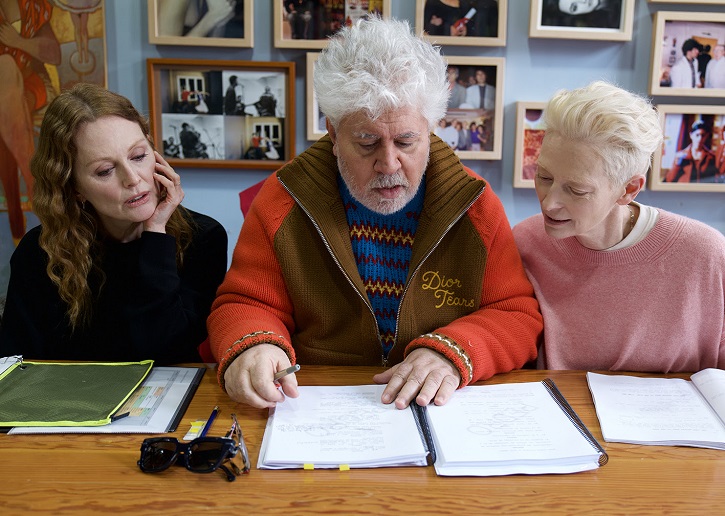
{"x": 62, "y": 474}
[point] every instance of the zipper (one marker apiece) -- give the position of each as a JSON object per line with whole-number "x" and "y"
{"x": 340, "y": 267}
{"x": 433, "y": 248}
{"x": 366, "y": 301}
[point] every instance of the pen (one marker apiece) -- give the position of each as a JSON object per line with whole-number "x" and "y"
{"x": 209, "y": 421}
{"x": 285, "y": 372}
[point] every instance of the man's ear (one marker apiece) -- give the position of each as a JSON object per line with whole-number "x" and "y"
{"x": 333, "y": 135}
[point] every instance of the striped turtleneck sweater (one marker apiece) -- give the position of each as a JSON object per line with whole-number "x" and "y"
{"x": 382, "y": 247}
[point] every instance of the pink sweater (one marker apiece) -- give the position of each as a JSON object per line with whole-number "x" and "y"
{"x": 656, "y": 306}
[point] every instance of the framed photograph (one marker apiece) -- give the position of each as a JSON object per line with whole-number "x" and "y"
{"x": 201, "y": 23}
{"x": 222, "y": 114}
{"x": 692, "y": 157}
{"x": 529, "y": 136}
{"x": 316, "y": 127}
{"x": 688, "y": 56}
{"x": 473, "y": 123}
{"x": 475, "y": 23}
{"x": 610, "y": 20}
{"x": 690, "y": 2}
{"x": 305, "y": 24}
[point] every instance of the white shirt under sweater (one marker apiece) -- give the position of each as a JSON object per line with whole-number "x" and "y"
{"x": 656, "y": 305}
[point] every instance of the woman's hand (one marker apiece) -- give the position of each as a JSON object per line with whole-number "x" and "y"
{"x": 170, "y": 195}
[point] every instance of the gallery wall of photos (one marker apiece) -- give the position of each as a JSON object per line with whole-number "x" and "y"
{"x": 222, "y": 102}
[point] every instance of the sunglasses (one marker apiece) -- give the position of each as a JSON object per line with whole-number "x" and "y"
{"x": 202, "y": 455}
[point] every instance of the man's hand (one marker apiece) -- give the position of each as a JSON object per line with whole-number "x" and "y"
{"x": 424, "y": 375}
{"x": 250, "y": 377}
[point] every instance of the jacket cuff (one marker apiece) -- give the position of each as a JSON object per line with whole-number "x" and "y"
{"x": 449, "y": 349}
{"x": 250, "y": 340}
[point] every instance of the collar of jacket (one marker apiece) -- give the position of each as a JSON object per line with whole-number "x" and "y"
{"x": 311, "y": 179}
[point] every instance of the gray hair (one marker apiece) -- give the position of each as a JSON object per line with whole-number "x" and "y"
{"x": 620, "y": 126}
{"x": 377, "y": 65}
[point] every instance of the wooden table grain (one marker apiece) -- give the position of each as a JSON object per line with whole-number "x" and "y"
{"x": 97, "y": 474}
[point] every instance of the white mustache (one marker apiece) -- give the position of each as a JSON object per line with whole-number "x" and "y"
{"x": 389, "y": 181}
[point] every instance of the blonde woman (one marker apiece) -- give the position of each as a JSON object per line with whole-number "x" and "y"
{"x": 622, "y": 286}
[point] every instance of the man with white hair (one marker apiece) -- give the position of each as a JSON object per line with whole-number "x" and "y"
{"x": 375, "y": 246}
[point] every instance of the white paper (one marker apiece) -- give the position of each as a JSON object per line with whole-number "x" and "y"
{"x": 7, "y": 362}
{"x": 152, "y": 406}
{"x": 711, "y": 384}
{"x": 337, "y": 426}
{"x": 507, "y": 429}
{"x": 665, "y": 411}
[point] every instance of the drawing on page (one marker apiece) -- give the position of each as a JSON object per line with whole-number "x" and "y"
{"x": 500, "y": 420}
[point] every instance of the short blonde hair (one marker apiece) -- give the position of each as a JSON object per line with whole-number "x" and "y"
{"x": 620, "y": 126}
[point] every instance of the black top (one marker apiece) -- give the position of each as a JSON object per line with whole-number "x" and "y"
{"x": 147, "y": 309}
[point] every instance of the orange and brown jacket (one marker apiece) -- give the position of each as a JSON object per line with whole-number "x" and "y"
{"x": 294, "y": 281}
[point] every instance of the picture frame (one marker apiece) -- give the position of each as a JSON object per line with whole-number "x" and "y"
{"x": 673, "y": 34}
{"x": 482, "y": 106}
{"x": 612, "y": 22}
{"x": 222, "y": 114}
{"x": 312, "y": 29}
{"x": 691, "y": 2}
{"x": 530, "y": 130}
{"x": 315, "y": 119}
{"x": 689, "y": 129}
{"x": 166, "y": 25}
{"x": 486, "y": 28}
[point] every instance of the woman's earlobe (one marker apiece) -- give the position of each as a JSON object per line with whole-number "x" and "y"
{"x": 632, "y": 188}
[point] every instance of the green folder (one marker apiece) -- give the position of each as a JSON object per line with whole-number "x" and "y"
{"x": 67, "y": 393}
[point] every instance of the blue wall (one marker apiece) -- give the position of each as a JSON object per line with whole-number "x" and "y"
{"x": 535, "y": 69}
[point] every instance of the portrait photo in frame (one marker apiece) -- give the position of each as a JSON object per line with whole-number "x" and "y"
{"x": 688, "y": 2}
{"x": 688, "y": 56}
{"x": 473, "y": 23}
{"x": 530, "y": 130}
{"x": 692, "y": 157}
{"x": 476, "y": 104}
{"x": 222, "y": 114}
{"x": 316, "y": 128}
{"x": 608, "y": 20}
{"x": 304, "y": 24}
{"x": 193, "y": 23}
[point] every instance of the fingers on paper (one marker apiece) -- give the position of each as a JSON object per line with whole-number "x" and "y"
{"x": 424, "y": 376}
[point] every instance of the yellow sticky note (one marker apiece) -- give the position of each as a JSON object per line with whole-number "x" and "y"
{"x": 344, "y": 467}
{"x": 309, "y": 466}
{"x": 194, "y": 431}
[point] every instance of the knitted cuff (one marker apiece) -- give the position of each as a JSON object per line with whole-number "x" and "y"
{"x": 246, "y": 342}
{"x": 449, "y": 349}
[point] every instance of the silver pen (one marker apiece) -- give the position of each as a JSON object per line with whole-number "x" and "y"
{"x": 285, "y": 372}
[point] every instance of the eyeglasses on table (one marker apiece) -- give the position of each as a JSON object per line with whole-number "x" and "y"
{"x": 202, "y": 455}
